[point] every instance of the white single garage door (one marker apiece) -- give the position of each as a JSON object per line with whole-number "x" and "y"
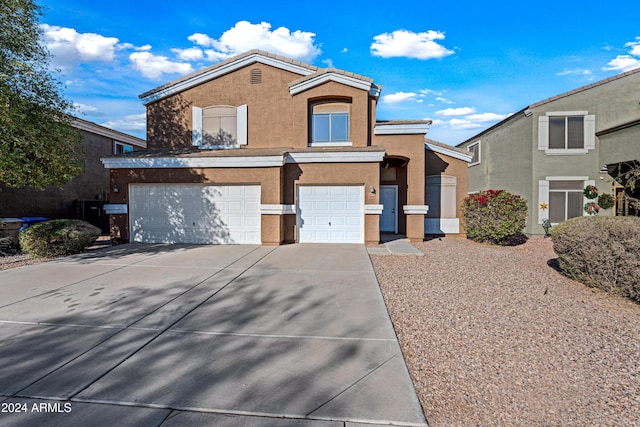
{"x": 330, "y": 214}
{"x": 195, "y": 213}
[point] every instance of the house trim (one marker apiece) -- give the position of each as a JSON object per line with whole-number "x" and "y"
{"x": 335, "y": 157}
{"x": 448, "y": 152}
{"x": 108, "y": 133}
{"x": 415, "y": 209}
{"x": 192, "y": 162}
{"x": 278, "y": 209}
{"x": 401, "y": 129}
{"x": 373, "y": 209}
{"x": 307, "y": 84}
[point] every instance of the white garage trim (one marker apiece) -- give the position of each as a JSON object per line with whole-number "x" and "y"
{"x": 195, "y": 213}
{"x": 330, "y": 214}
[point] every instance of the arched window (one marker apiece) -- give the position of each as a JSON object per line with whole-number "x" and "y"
{"x": 330, "y": 123}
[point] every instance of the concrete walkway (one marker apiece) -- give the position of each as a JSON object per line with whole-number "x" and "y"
{"x": 148, "y": 335}
{"x": 400, "y": 247}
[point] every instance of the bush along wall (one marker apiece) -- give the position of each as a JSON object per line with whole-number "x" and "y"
{"x": 494, "y": 216}
{"x": 58, "y": 237}
{"x": 601, "y": 252}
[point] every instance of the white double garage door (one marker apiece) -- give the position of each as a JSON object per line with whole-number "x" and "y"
{"x": 231, "y": 214}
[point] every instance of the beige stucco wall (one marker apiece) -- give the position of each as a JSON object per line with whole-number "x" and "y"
{"x": 358, "y": 115}
{"x": 411, "y": 147}
{"x": 269, "y": 108}
{"x": 440, "y": 164}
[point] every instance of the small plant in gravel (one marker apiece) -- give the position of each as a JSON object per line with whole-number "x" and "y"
{"x": 494, "y": 216}
{"x": 58, "y": 237}
{"x": 601, "y": 252}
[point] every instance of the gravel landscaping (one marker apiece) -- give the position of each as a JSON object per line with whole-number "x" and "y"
{"x": 495, "y": 336}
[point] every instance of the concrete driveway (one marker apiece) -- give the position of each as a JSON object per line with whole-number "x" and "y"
{"x": 151, "y": 335}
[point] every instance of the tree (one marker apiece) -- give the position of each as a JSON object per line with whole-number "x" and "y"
{"x": 38, "y": 145}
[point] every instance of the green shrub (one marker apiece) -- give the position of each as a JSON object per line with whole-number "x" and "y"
{"x": 494, "y": 216}
{"x": 58, "y": 237}
{"x": 601, "y": 252}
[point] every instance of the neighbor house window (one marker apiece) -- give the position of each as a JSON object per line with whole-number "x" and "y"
{"x": 119, "y": 148}
{"x": 565, "y": 200}
{"x": 566, "y": 133}
{"x": 220, "y": 126}
{"x": 474, "y": 149}
{"x": 330, "y": 124}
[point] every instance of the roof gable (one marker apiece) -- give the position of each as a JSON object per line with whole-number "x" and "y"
{"x": 225, "y": 67}
{"x": 527, "y": 109}
{"x": 331, "y": 74}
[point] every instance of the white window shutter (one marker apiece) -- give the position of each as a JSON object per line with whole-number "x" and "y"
{"x": 543, "y": 133}
{"x": 196, "y": 131}
{"x": 242, "y": 124}
{"x": 590, "y": 132}
{"x": 543, "y": 199}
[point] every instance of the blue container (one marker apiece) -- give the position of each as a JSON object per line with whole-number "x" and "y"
{"x": 30, "y": 220}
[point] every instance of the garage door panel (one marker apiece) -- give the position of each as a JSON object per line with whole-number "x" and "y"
{"x": 195, "y": 213}
{"x": 331, "y": 214}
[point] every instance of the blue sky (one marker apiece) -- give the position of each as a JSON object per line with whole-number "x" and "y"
{"x": 465, "y": 65}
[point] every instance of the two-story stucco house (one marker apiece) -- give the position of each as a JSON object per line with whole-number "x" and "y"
{"x": 262, "y": 149}
{"x": 549, "y": 151}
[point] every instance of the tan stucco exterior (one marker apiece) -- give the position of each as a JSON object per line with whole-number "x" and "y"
{"x": 279, "y": 107}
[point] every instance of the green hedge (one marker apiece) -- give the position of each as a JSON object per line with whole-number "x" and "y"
{"x": 58, "y": 237}
{"x": 494, "y": 216}
{"x": 601, "y": 252}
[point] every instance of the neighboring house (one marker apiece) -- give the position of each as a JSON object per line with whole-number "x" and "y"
{"x": 261, "y": 149}
{"x": 83, "y": 196}
{"x": 551, "y": 150}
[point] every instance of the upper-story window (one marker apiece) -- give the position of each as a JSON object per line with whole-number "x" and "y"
{"x": 566, "y": 132}
{"x": 120, "y": 147}
{"x": 219, "y": 126}
{"x": 569, "y": 132}
{"x": 330, "y": 124}
{"x": 474, "y": 149}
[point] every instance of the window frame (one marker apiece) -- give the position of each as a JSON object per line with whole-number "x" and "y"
{"x": 126, "y": 148}
{"x": 198, "y": 137}
{"x": 331, "y": 114}
{"x": 475, "y": 153}
{"x": 544, "y": 192}
{"x": 588, "y": 130}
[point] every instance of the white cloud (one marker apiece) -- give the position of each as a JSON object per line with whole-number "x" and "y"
{"x": 463, "y": 124}
{"x": 626, "y": 62}
{"x": 403, "y": 43}
{"x": 486, "y": 117}
{"x": 88, "y": 110}
{"x": 635, "y": 47}
{"x": 190, "y": 54}
{"x": 154, "y": 66}
{"x": 132, "y": 122}
{"x": 394, "y": 98}
{"x": 444, "y": 100}
{"x": 245, "y": 36}
{"x": 622, "y": 63}
{"x": 462, "y": 111}
{"x": 425, "y": 92}
{"x": 582, "y": 71}
{"x": 328, "y": 63}
{"x": 344, "y": 50}
{"x": 69, "y": 47}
